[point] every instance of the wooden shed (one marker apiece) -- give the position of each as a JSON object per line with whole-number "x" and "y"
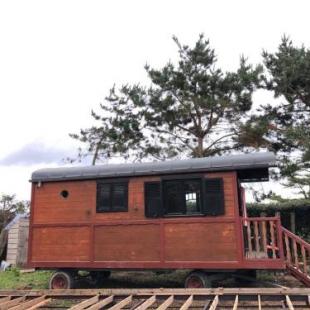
{"x": 17, "y": 246}
{"x": 183, "y": 214}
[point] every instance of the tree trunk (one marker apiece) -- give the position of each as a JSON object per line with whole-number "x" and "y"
{"x": 200, "y": 147}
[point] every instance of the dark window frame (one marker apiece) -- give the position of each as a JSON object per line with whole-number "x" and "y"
{"x": 112, "y": 184}
{"x": 182, "y": 178}
{"x": 203, "y": 208}
{"x": 160, "y": 210}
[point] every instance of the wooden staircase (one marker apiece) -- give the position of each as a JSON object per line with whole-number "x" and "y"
{"x": 297, "y": 256}
{"x": 265, "y": 239}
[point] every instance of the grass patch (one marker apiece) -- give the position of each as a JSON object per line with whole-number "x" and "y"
{"x": 14, "y": 279}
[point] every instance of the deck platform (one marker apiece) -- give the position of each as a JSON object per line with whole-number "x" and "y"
{"x": 141, "y": 299}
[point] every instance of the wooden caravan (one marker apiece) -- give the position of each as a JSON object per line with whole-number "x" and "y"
{"x": 185, "y": 214}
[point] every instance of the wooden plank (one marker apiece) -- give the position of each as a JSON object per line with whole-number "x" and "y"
{"x": 187, "y": 303}
{"x": 288, "y": 248}
{"x": 249, "y": 238}
{"x": 273, "y": 240}
{"x": 274, "y": 291}
{"x": 29, "y": 303}
{"x": 86, "y": 303}
{"x": 289, "y": 302}
{"x": 259, "y": 301}
{"x": 166, "y": 303}
{"x": 40, "y": 304}
{"x": 304, "y": 258}
{"x": 264, "y": 237}
{"x": 295, "y": 253}
{"x": 12, "y": 303}
{"x": 256, "y": 236}
{"x": 235, "y": 307}
{"x": 4, "y": 299}
{"x": 136, "y": 304}
{"x": 206, "y": 306}
{"x": 214, "y": 303}
{"x": 147, "y": 303}
{"x": 122, "y": 303}
{"x": 100, "y": 304}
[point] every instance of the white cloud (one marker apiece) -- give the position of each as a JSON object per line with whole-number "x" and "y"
{"x": 36, "y": 153}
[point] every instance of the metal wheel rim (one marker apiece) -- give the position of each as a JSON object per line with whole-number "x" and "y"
{"x": 59, "y": 282}
{"x": 195, "y": 282}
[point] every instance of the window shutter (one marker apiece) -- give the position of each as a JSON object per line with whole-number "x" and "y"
{"x": 214, "y": 197}
{"x": 152, "y": 198}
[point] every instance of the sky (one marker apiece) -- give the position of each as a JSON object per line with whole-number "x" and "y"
{"x": 58, "y": 60}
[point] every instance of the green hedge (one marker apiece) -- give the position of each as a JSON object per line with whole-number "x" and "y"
{"x": 301, "y": 208}
{"x": 287, "y": 205}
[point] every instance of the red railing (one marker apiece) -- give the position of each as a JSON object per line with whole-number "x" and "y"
{"x": 297, "y": 255}
{"x": 262, "y": 238}
{"x": 265, "y": 238}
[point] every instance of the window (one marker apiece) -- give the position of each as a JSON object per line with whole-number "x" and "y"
{"x": 182, "y": 196}
{"x": 112, "y": 197}
{"x": 64, "y": 194}
{"x": 195, "y": 196}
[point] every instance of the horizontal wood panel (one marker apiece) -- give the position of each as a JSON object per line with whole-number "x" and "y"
{"x": 51, "y": 207}
{"x": 61, "y": 244}
{"x": 200, "y": 242}
{"x": 127, "y": 243}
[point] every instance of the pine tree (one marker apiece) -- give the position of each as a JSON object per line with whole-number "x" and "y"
{"x": 284, "y": 127}
{"x": 191, "y": 109}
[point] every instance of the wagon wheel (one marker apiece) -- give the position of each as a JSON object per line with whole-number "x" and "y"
{"x": 197, "y": 279}
{"x": 61, "y": 280}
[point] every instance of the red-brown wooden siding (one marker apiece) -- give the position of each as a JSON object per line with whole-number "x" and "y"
{"x": 69, "y": 232}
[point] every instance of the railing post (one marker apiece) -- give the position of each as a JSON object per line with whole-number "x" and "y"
{"x": 280, "y": 238}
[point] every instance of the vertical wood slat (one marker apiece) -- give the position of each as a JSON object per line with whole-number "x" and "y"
{"x": 29, "y": 303}
{"x": 86, "y": 303}
{"x": 122, "y": 303}
{"x": 273, "y": 240}
{"x": 235, "y": 307}
{"x": 100, "y": 304}
{"x": 40, "y": 304}
{"x": 295, "y": 253}
{"x": 304, "y": 258}
{"x": 11, "y": 303}
{"x": 288, "y": 248}
{"x": 308, "y": 251}
{"x": 249, "y": 238}
{"x": 147, "y": 303}
{"x": 214, "y": 303}
{"x": 259, "y": 301}
{"x": 167, "y": 303}
{"x": 187, "y": 303}
{"x": 256, "y": 237}
{"x": 264, "y": 238}
{"x": 289, "y": 302}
